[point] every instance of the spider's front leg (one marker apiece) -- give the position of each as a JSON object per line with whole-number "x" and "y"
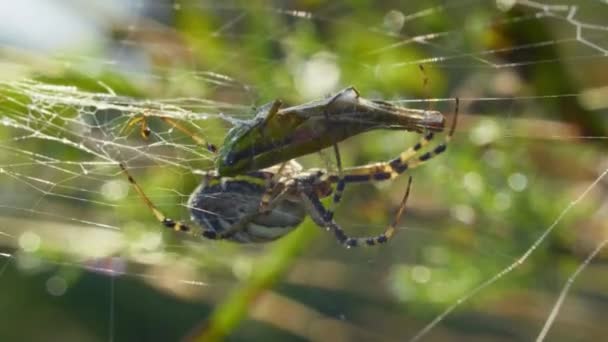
{"x": 145, "y": 131}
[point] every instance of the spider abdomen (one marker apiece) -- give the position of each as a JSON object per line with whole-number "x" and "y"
{"x": 220, "y": 203}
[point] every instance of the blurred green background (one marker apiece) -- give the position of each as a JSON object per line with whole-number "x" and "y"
{"x": 84, "y": 260}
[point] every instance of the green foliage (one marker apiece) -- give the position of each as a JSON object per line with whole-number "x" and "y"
{"x": 473, "y": 211}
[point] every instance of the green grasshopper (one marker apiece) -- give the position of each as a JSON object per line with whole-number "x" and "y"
{"x": 276, "y": 135}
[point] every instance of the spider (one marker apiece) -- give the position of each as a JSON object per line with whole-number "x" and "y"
{"x": 228, "y": 207}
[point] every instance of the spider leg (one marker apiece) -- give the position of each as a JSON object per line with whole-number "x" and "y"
{"x": 145, "y": 131}
{"x": 425, "y": 83}
{"x": 395, "y": 167}
{"x": 164, "y": 220}
{"x": 140, "y": 120}
{"x": 271, "y": 189}
{"x": 318, "y": 213}
{"x": 341, "y": 184}
{"x": 198, "y": 139}
{"x": 274, "y": 109}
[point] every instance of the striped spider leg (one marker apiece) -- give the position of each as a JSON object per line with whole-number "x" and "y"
{"x": 144, "y": 130}
{"x": 405, "y": 161}
{"x": 324, "y": 217}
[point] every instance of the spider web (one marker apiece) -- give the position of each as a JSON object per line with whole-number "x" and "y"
{"x": 497, "y": 233}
